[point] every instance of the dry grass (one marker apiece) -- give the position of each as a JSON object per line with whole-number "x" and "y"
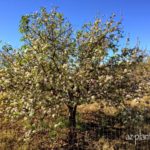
{"x": 96, "y": 107}
{"x": 140, "y": 103}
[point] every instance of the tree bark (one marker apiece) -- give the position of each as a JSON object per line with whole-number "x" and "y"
{"x": 72, "y": 116}
{"x": 72, "y": 135}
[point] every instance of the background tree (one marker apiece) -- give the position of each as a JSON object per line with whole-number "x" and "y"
{"x": 57, "y": 67}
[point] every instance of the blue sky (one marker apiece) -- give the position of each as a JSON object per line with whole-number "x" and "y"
{"x": 135, "y": 14}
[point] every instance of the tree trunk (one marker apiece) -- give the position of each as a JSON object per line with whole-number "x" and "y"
{"x": 72, "y": 116}
{"x": 72, "y": 135}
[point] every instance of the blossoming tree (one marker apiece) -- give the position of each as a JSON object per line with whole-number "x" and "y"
{"x": 56, "y": 66}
